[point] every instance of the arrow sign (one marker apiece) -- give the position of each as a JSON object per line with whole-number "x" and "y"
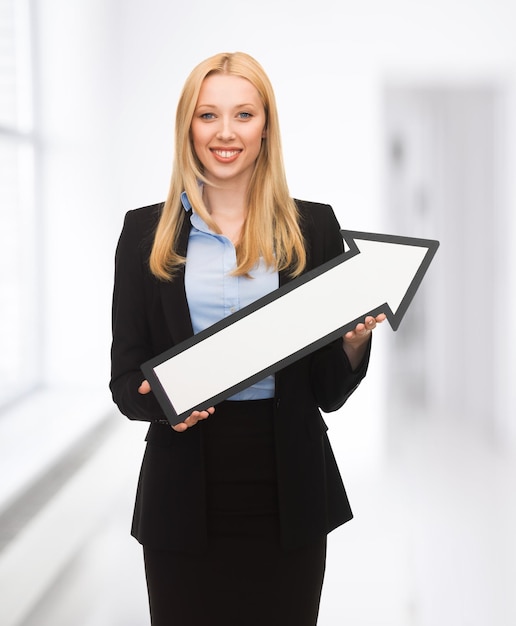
{"x": 376, "y": 274}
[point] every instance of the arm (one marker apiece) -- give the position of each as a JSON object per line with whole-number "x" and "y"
{"x": 338, "y": 371}
{"x": 332, "y": 376}
{"x": 355, "y": 342}
{"x": 131, "y": 344}
{"x": 132, "y": 338}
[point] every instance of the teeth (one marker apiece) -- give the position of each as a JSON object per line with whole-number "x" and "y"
{"x": 226, "y": 154}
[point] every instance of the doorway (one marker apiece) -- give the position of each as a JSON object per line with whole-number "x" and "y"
{"x": 443, "y": 151}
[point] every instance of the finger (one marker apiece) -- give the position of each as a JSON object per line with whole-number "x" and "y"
{"x": 359, "y": 329}
{"x": 180, "y": 428}
{"x": 195, "y": 417}
{"x": 378, "y": 319}
{"x": 192, "y": 419}
{"x": 370, "y": 322}
{"x": 144, "y": 387}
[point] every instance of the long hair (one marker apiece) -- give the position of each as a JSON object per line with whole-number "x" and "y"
{"x": 271, "y": 229}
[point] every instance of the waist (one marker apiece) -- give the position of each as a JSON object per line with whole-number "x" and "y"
{"x": 239, "y": 441}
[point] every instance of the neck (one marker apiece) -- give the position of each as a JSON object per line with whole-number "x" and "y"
{"x": 228, "y": 209}
{"x": 224, "y": 201}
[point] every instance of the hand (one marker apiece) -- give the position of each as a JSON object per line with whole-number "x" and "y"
{"x": 361, "y": 332}
{"x": 355, "y": 341}
{"x": 191, "y": 420}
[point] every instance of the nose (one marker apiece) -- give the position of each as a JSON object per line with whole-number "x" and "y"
{"x": 225, "y": 132}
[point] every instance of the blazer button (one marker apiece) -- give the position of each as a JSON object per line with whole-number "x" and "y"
{"x": 278, "y": 402}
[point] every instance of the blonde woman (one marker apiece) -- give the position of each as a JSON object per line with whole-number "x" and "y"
{"x": 234, "y": 504}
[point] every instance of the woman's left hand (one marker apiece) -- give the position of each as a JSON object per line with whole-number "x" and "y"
{"x": 355, "y": 341}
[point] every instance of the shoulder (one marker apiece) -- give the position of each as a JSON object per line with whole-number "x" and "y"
{"x": 147, "y": 216}
{"x": 321, "y": 231}
{"x": 140, "y": 224}
{"x": 316, "y": 214}
{"x": 138, "y": 231}
{"x": 317, "y": 209}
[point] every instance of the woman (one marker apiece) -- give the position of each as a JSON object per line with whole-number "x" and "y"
{"x": 234, "y": 504}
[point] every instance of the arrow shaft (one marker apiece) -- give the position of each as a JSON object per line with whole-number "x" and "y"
{"x": 382, "y": 271}
{"x": 267, "y": 336}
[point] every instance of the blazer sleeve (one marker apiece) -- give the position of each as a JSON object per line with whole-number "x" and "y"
{"x": 132, "y": 342}
{"x": 333, "y": 380}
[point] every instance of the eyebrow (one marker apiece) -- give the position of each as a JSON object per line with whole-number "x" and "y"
{"x": 238, "y": 106}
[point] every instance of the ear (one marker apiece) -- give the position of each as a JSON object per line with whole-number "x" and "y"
{"x": 264, "y": 133}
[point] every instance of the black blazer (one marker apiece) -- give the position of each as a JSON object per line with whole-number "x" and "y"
{"x": 149, "y": 317}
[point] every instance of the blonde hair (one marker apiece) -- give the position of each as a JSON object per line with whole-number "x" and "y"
{"x": 271, "y": 229}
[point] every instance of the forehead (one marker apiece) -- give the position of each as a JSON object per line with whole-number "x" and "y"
{"x": 227, "y": 89}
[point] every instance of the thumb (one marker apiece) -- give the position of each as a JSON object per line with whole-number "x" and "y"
{"x": 144, "y": 387}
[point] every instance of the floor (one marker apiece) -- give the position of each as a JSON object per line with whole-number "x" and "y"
{"x": 432, "y": 542}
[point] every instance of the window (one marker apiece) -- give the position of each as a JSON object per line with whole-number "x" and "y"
{"x": 19, "y": 349}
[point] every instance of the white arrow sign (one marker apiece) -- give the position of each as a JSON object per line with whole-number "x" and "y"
{"x": 377, "y": 274}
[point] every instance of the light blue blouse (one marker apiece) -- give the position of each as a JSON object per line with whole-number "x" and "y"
{"x": 213, "y": 294}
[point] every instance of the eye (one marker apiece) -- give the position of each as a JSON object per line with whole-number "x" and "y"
{"x": 244, "y": 115}
{"x": 207, "y": 116}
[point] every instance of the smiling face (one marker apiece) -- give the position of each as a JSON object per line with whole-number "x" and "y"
{"x": 228, "y": 128}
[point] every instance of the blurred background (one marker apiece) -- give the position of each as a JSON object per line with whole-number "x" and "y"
{"x": 401, "y": 114}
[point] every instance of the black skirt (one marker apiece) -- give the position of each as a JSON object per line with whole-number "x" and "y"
{"x": 244, "y": 578}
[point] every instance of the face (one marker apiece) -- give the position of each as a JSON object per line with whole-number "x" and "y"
{"x": 228, "y": 128}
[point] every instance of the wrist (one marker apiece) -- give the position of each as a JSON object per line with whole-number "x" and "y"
{"x": 355, "y": 352}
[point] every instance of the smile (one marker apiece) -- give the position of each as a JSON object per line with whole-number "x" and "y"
{"x": 225, "y": 155}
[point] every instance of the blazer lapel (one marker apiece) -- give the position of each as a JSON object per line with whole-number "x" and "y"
{"x": 173, "y": 295}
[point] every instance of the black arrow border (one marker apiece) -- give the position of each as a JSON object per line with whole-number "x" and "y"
{"x": 350, "y": 237}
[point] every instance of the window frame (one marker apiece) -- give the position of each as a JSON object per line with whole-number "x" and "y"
{"x": 21, "y": 243}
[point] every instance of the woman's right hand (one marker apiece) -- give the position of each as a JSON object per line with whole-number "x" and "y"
{"x": 190, "y": 421}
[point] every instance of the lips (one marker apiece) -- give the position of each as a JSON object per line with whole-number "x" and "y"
{"x": 225, "y": 155}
